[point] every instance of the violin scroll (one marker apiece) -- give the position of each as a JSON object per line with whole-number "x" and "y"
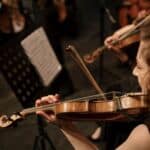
{"x": 90, "y": 58}
{"x": 6, "y": 121}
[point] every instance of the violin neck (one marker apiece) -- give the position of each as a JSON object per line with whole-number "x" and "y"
{"x": 102, "y": 48}
{"x": 99, "y": 50}
{"x": 32, "y": 110}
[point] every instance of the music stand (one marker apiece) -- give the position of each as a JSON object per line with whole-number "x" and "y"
{"x": 23, "y": 80}
{"x": 42, "y": 138}
{"x": 19, "y": 73}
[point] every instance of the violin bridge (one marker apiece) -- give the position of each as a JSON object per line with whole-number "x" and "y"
{"x": 118, "y": 103}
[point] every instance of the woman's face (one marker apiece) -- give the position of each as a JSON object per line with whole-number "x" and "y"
{"x": 141, "y": 69}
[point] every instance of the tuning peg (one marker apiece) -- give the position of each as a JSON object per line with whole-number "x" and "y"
{"x": 5, "y": 121}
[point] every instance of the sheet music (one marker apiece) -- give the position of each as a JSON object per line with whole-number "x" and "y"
{"x": 42, "y": 56}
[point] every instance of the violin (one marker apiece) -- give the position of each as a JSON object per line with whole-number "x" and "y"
{"x": 92, "y": 108}
{"x": 12, "y": 20}
{"x": 127, "y": 36}
{"x": 90, "y": 58}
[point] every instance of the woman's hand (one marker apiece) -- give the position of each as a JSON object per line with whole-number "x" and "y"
{"x": 119, "y": 44}
{"x": 50, "y": 99}
{"x": 109, "y": 42}
{"x": 115, "y": 38}
{"x": 116, "y": 48}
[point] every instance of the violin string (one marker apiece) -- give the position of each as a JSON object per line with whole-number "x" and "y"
{"x": 135, "y": 94}
{"x": 50, "y": 106}
{"x": 88, "y": 98}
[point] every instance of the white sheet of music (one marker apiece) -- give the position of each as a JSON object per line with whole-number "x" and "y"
{"x": 42, "y": 56}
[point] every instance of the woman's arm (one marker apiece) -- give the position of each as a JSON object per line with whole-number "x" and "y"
{"x": 74, "y": 136}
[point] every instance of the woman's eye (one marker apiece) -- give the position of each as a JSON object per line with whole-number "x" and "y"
{"x": 139, "y": 67}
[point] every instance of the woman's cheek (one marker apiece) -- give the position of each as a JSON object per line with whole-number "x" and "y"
{"x": 146, "y": 82}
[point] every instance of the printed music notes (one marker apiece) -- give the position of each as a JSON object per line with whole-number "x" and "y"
{"x": 41, "y": 54}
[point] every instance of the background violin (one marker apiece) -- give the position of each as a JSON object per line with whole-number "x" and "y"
{"x": 127, "y": 35}
{"x": 92, "y": 108}
{"x": 133, "y": 38}
{"x": 127, "y": 14}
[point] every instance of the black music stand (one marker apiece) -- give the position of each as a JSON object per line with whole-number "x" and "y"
{"x": 24, "y": 82}
{"x": 42, "y": 139}
{"x": 20, "y": 73}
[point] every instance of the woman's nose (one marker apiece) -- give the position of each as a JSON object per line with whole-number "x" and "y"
{"x": 134, "y": 72}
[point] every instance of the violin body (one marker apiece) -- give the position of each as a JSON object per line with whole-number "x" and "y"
{"x": 102, "y": 110}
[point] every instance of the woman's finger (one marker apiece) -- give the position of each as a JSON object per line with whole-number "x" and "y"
{"x": 48, "y": 117}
